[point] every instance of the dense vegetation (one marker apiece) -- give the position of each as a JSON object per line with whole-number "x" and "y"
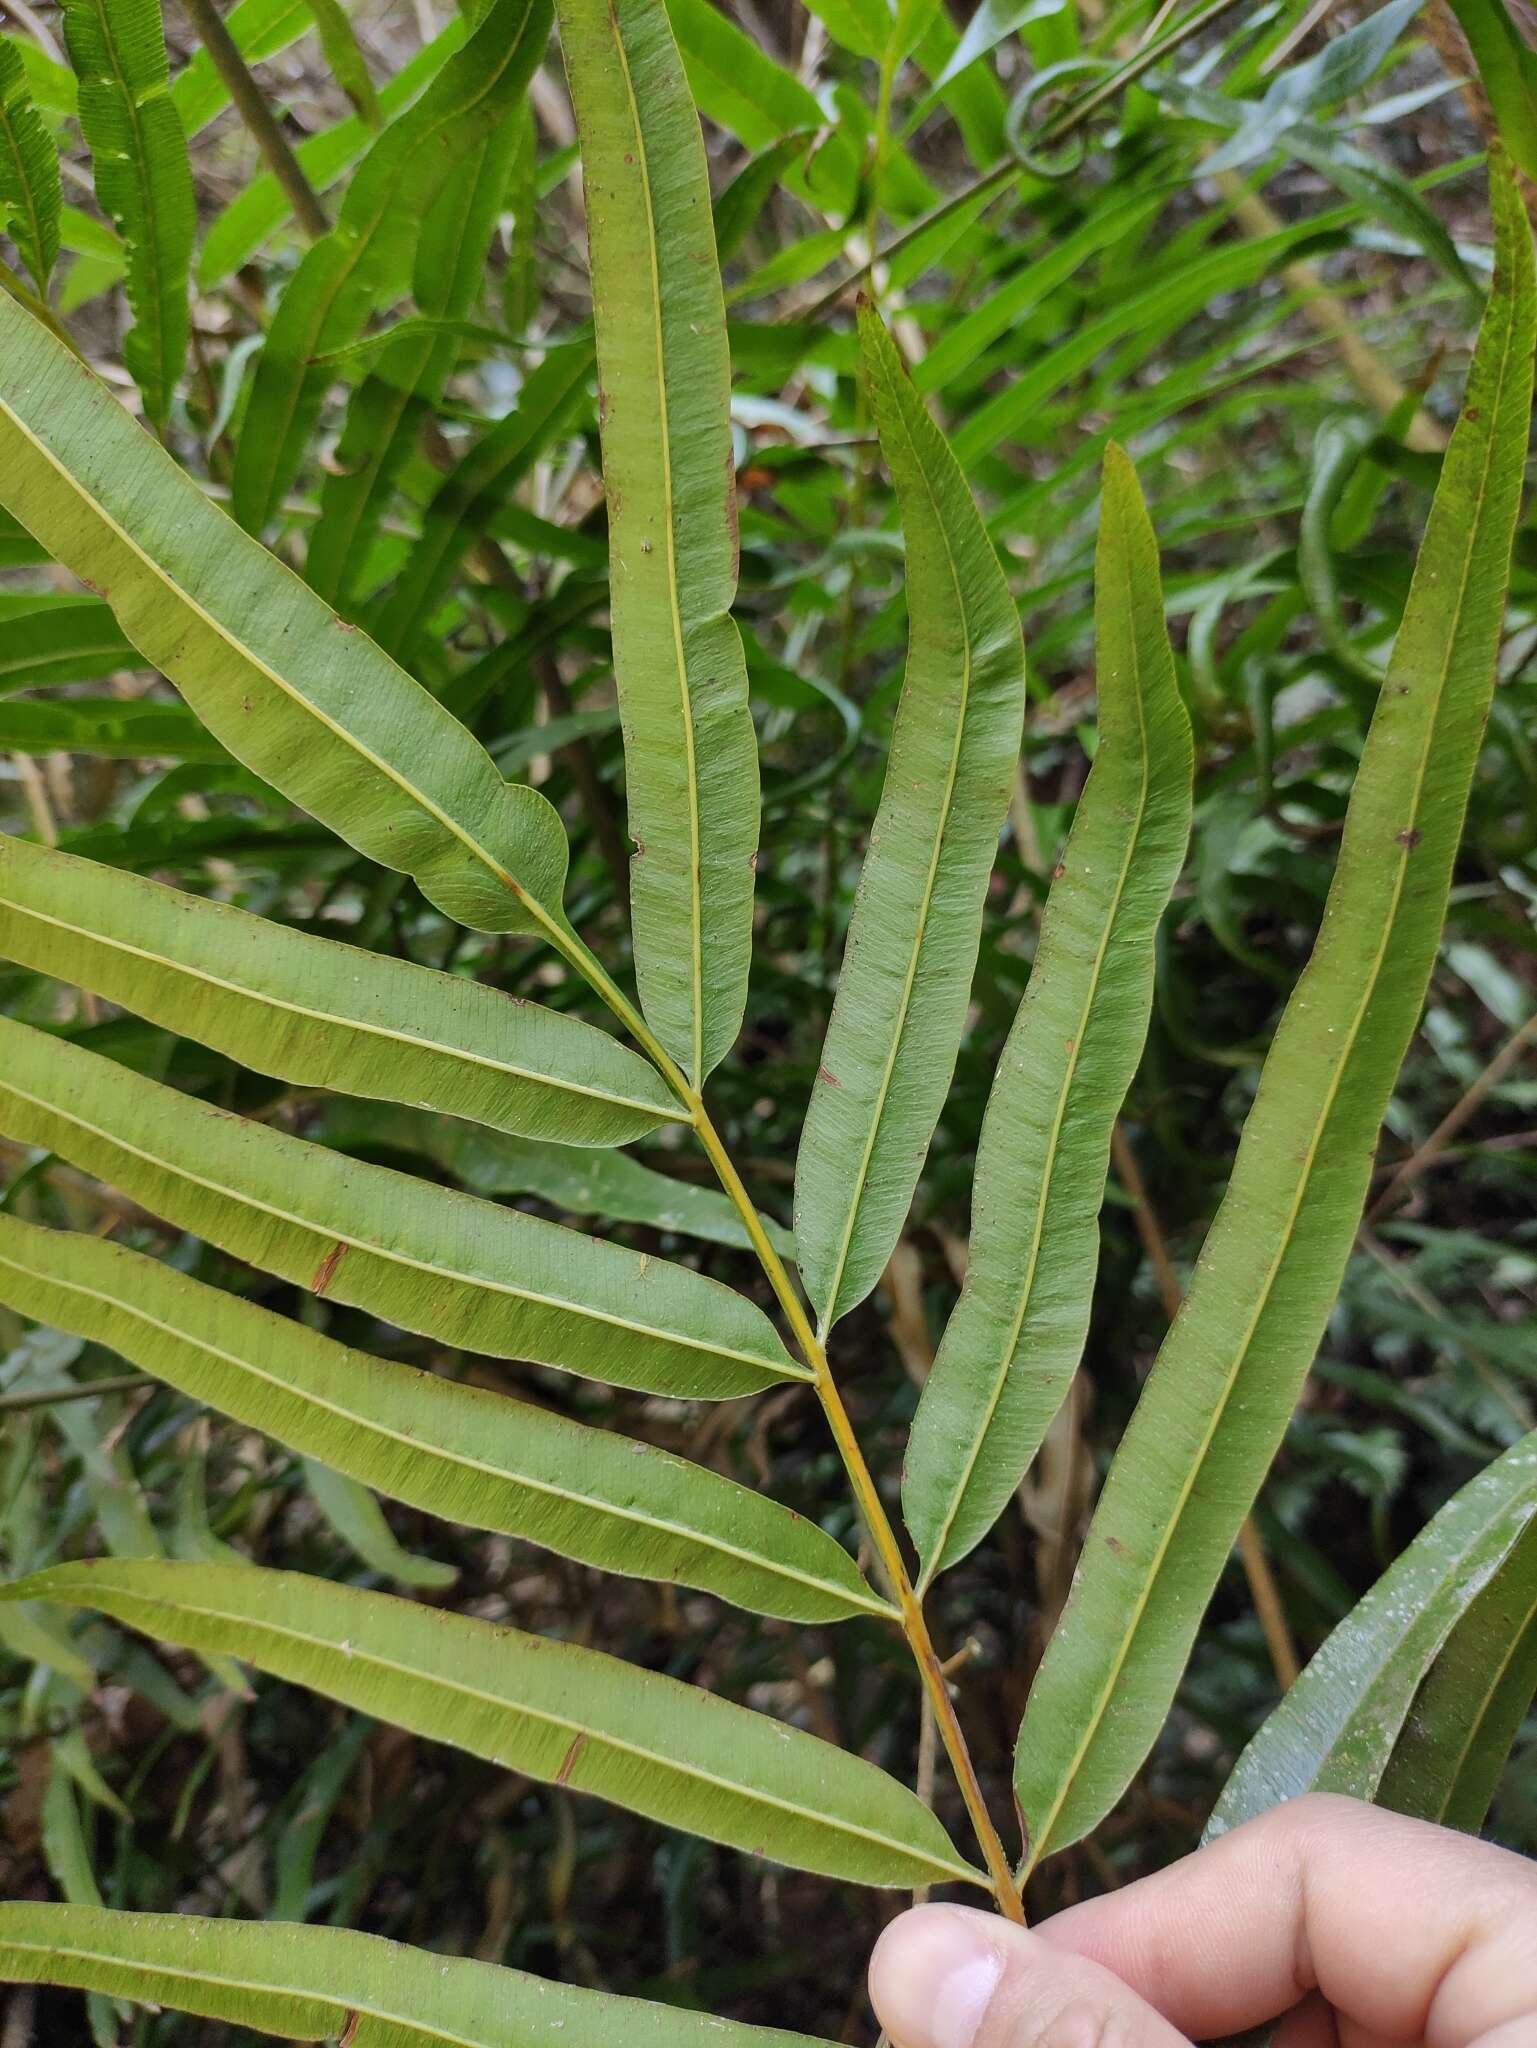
{"x": 988, "y": 285}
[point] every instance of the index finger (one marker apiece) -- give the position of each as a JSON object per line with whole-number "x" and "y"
{"x": 1413, "y": 1932}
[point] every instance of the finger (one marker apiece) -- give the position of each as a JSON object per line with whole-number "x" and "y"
{"x": 948, "y": 1977}
{"x": 1410, "y": 1931}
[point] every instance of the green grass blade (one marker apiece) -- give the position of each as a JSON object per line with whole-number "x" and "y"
{"x": 307, "y": 701}
{"x": 664, "y": 369}
{"x": 263, "y": 208}
{"x": 912, "y": 946}
{"x": 1177, "y": 293}
{"x": 1016, "y": 1335}
{"x": 384, "y": 419}
{"x": 560, "y": 1713}
{"x": 961, "y": 342}
{"x": 258, "y": 29}
{"x": 739, "y": 86}
{"x": 734, "y": 80}
{"x": 31, "y": 197}
{"x": 320, "y": 1013}
{"x": 450, "y": 1449}
{"x": 111, "y": 728}
{"x": 739, "y": 207}
{"x": 32, "y": 1635}
{"x": 444, "y": 1264}
{"x": 325, "y": 1983}
{"x": 107, "y": 1476}
{"x": 143, "y": 178}
{"x": 1466, "y": 1716}
{"x": 338, "y": 40}
{"x": 473, "y": 492}
{"x": 73, "y": 642}
{"x": 1216, "y": 1406}
{"x": 366, "y": 259}
{"x": 1336, "y": 1728}
{"x": 597, "y": 1182}
{"x": 1382, "y": 191}
{"x": 519, "y": 292}
{"x": 357, "y": 1518}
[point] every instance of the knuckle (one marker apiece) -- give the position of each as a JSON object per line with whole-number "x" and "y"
{"x": 1048, "y": 2019}
{"x": 1085, "y": 2023}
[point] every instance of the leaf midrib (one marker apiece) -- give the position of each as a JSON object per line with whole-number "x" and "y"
{"x": 662, "y": 1111}
{"x": 604, "y": 1738}
{"x": 1095, "y": 1718}
{"x": 790, "y": 1370}
{"x": 348, "y": 519}
{"x": 1000, "y": 1378}
{"x": 870, "y": 1603}
{"x": 904, "y": 1005}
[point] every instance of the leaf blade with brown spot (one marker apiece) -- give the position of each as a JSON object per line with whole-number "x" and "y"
{"x": 653, "y": 1744}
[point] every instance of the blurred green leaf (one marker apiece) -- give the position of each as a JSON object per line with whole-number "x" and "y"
{"x": 143, "y": 179}
{"x": 30, "y": 194}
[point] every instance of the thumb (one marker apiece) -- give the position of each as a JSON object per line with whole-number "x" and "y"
{"x": 949, "y": 1977}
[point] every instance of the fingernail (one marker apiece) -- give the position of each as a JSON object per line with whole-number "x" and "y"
{"x": 932, "y": 1975}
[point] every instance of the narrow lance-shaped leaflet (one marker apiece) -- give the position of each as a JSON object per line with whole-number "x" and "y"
{"x": 1453, "y": 1749}
{"x": 475, "y": 489}
{"x": 441, "y": 1263}
{"x": 560, "y": 1713}
{"x": 60, "y": 643}
{"x": 576, "y": 1181}
{"x": 320, "y": 1013}
{"x": 324, "y": 1983}
{"x": 691, "y": 768}
{"x": 912, "y": 945}
{"x": 450, "y": 1449}
{"x": 301, "y": 697}
{"x": 338, "y": 39}
{"x": 302, "y": 1983}
{"x": 385, "y": 414}
{"x": 263, "y": 208}
{"x": 1336, "y": 1728}
{"x": 352, "y": 1513}
{"x": 1015, "y": 1337}
{"x": 1215, "y": 1408}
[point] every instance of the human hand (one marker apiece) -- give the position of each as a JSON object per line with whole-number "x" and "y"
{"x": 1368, "y": 1930}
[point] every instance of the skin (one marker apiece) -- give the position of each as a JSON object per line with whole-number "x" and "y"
{"x": 1364, "y": 1929}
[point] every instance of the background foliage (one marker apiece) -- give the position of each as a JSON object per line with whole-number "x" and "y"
{"x": 1257, "y": 264}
